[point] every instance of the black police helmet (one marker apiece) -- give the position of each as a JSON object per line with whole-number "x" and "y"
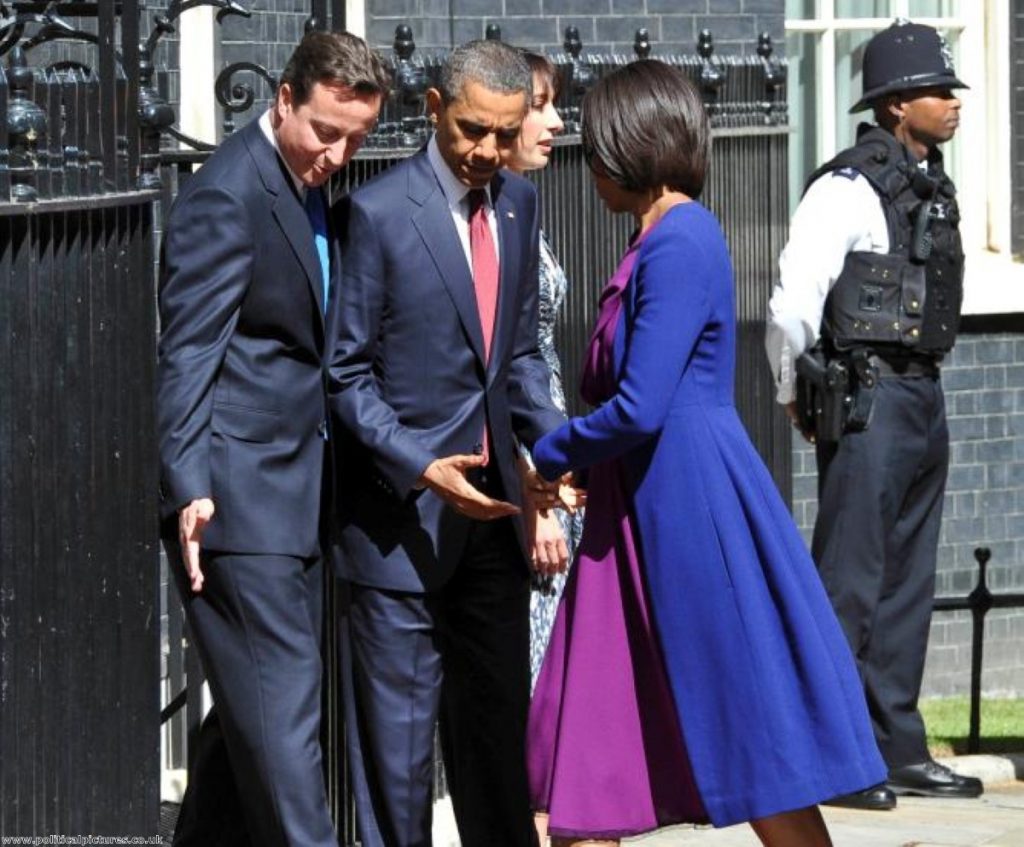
{"x": 904, "y": 57}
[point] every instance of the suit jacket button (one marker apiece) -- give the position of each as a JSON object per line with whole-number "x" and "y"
{"x": 478, "y": 449}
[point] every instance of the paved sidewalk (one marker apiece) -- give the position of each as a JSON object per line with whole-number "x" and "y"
{"x": 994, "y": 820}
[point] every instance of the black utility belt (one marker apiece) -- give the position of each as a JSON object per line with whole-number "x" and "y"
{"x": 836, "y": 391}
{"x": 890, "y": 367}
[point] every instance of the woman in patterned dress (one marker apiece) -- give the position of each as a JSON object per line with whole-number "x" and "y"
{"x": 554, "y": 533}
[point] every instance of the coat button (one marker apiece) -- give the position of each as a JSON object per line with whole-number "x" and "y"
{"x": 478, "y": 449}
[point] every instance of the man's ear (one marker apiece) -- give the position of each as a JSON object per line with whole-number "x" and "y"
{"x": 435, "y": 105}
{"x": 284, "y": 101}
{"x": 896, "y": 106}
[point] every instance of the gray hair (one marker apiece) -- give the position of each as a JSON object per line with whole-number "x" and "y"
{"x": 494, "y": 65}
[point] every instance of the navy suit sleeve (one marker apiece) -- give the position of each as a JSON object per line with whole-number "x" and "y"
{"x": 533, "y": 411}
{"x": 354, "y": 390}
{"x": 206, "y": 270}
{"x": 671, "y": 309}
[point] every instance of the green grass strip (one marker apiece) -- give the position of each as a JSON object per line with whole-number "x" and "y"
{"x": 947, "y": 721}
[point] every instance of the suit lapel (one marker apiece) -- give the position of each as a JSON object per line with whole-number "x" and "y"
{"x": 433, "y": 222}
{"x": 287, "y": 210}
{"x": 510, "y": 253}
{"x": 294, "y": 223}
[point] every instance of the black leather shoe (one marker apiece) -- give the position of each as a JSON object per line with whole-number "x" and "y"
{"x": 930, "y": 779}
{"x": 877, "y": 799}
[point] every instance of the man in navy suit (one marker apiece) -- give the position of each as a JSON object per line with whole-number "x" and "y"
{"x": 435, "y": 377}
{"x": 249, "y": 276}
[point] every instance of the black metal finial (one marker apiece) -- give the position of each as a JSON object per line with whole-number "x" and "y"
{"x": 26, "y": 124}
{"x": 406, "y": 125}
{"x": 404, "y": 45}
{"x": 705, "y": 44}
{"x": 493, "y": 32}
{"x": 711, "y": 73}
{"x": 642, "y": 43}
{"x": 774, "y": 68}
{"x": 155, "y": 115}
{"x": 572, "y": 43}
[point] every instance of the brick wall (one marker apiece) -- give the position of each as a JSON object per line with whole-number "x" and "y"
{"x": 267, "y": 38}
{"x": 1017, "y": 121}
{"x": 983, "y": 379}
{"x": 605, "y": 25}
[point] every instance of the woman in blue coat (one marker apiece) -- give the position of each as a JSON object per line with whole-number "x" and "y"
{"x": 696, "y": 671}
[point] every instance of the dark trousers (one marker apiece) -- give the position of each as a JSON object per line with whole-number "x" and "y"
{"x": 257, "y": 626}
{"x": 880, "y": 497}
{"x": 459, "y": 655}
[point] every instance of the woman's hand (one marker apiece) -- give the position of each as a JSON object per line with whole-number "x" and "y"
{"x": 549, "y": 553}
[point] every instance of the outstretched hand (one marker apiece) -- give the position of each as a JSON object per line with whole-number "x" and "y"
{"x": 447, "y": 479}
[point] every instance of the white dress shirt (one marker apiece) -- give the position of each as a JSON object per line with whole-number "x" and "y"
{"x": 839, "y": 214}
{"x": 268, "y": 131}
{"x": 457, "y": 195}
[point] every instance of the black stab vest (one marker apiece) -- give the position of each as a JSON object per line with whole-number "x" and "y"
{"x": 901, "y": 302}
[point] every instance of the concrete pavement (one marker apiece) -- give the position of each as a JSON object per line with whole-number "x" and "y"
{"x": 996, "y": 819}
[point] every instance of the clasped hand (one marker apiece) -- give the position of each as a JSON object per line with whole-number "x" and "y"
{"x": 561, "y": 493}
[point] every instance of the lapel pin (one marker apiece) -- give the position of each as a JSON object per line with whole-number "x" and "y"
{"x": 510, "y": 213}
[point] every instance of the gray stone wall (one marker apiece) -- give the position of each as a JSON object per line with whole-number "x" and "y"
{"x": 1016, "y": 106}
{"x": 606, "y": 26}
{"x": 983, "y": 379}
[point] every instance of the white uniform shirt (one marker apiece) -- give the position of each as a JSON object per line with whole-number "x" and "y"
{"x": 840, "y": 213}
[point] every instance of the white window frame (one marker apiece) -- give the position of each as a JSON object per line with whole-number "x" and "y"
{"x": 994, "y": 283}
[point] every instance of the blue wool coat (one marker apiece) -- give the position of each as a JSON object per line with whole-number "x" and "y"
{"x": 765, "y": 687}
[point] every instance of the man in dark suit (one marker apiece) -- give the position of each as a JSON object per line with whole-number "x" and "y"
{"x": 249, "y": 275}
{"x": 435, "y": 376}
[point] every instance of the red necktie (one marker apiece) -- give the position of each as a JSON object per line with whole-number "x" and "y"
{"x": 485, "y": 275}
{"x": 485, "y": 264}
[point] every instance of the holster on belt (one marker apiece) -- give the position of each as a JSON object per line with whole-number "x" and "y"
{"x": 862, "y": 390}
{"x": 822, "y": 394}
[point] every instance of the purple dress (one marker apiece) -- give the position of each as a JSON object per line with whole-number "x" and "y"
{"x": 637, "y": 776}
{"x": 696, "y": 671}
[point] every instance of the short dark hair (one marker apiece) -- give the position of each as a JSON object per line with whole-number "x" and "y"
{"x": 542, "y": 66}
{"x": 335, "y": 57}
{"x": 646, "y": 126}
{"x": 493, "y": 64}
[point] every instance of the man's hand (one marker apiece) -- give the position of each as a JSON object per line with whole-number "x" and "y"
{"x": 794, "y": 417}
{"x": 192, "y": 520}
{"x": 447, "y": 479}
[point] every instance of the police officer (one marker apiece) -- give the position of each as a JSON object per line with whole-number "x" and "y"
{"x": 867, "y": 304}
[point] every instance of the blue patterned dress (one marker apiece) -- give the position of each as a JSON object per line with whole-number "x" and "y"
{"x": 548, "y": 590}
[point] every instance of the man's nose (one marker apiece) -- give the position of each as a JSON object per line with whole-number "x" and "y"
{"x": 487, "y": 148}
{"x": 338, "y": 153}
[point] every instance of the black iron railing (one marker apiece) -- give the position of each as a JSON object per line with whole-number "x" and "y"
{"x": 979, "y": 603}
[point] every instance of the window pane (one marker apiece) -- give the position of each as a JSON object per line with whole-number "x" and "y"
{"x": 863, "y": 9}
{"x": 934, "y": 8}
{"x": 849, "y": 88}
{"x": 802, "y": 51}
{"x": 800, "y": 8}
